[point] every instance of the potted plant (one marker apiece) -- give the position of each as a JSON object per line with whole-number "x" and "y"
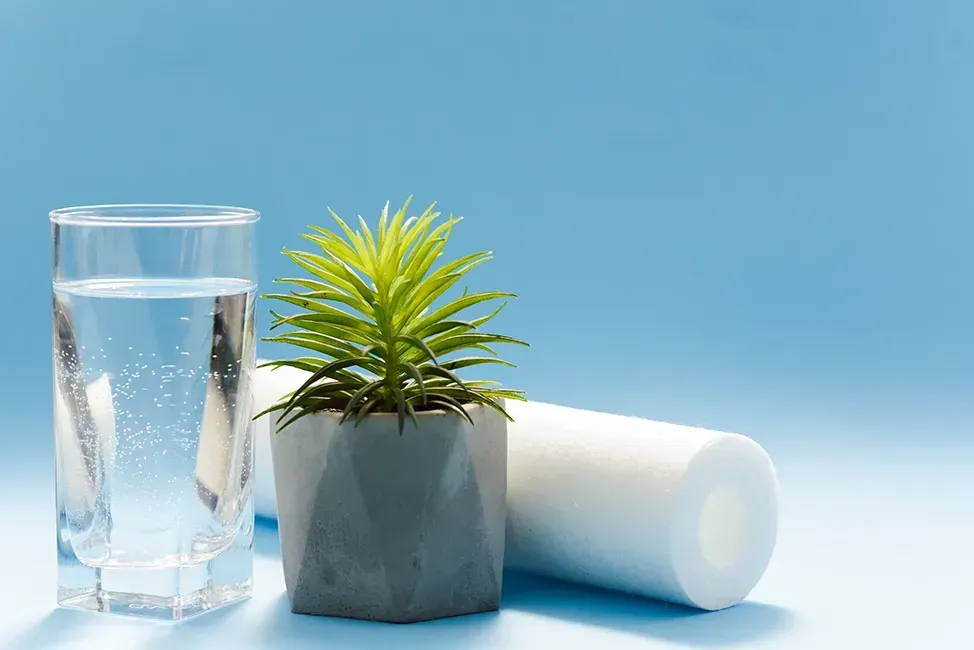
{"x": 390, "y": 470}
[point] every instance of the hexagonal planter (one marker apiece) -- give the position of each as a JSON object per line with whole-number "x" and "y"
{"x": 388, "y": 527}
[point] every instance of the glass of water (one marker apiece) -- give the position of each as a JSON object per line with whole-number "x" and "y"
{"x": 154, "y": 354}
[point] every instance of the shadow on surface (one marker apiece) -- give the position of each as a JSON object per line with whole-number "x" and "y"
{"x": 748, "y": 621}
{"x": 300, "y": 631}
{"x": 270, "y": 624}
{"x": 266, "y": 540}
{"x": 244, "y": 625}
{"x": 745, "y": 622}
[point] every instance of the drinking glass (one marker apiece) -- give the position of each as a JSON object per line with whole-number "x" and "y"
{"x": 154, "y": 354}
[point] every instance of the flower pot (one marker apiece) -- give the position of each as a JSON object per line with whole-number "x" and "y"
{"x": 388, "y": 527}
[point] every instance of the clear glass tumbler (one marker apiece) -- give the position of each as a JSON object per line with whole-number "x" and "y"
{"x": 154, "y": 354}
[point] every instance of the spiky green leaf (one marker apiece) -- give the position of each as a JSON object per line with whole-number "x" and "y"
{"x": 370, "y": 309}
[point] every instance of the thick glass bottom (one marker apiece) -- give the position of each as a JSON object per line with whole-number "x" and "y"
{"x": 155, "y": 606}
{"x": 168, "y": 592}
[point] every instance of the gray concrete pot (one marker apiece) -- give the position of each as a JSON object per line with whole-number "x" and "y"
{"x": 393, "y": 528}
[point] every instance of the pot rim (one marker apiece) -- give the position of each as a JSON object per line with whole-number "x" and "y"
{"x": 419, "y": 414}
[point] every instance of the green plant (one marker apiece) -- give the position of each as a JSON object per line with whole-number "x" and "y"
{"x": 369, "y": 309}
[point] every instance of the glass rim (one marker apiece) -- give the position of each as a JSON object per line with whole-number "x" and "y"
{"x": 138, "y": 215}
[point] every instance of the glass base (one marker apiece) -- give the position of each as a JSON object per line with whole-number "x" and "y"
{"x": 170, "y": 592}
{"x": 156, "y": 606}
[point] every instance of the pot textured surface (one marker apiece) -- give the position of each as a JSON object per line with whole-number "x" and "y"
{"x": 379, "y": 526}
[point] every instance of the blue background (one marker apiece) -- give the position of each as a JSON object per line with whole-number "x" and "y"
{"x": 748, "y": 215}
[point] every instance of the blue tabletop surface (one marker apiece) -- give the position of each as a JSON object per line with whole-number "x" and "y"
{"x": 874, "y": 552}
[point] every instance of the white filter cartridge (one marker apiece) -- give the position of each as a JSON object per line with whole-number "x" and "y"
{"x": 676, "y": 513}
